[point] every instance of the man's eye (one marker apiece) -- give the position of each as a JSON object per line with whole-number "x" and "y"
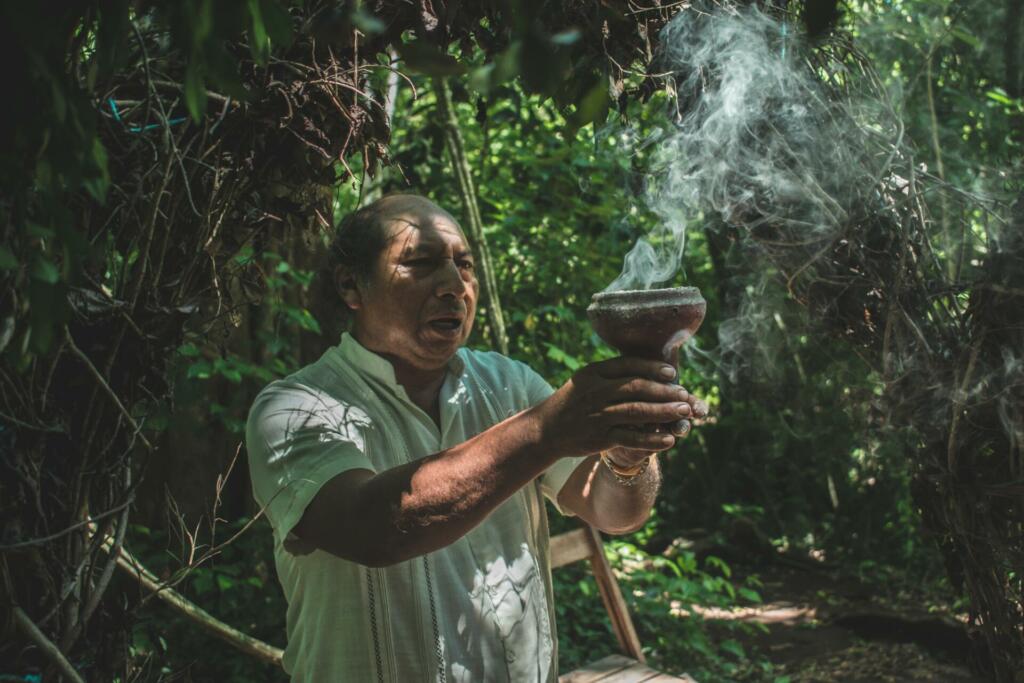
{"x": 468, "y": 265}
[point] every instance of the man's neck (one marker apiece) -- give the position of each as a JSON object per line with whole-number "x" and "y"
{"x": 423, "y": 386}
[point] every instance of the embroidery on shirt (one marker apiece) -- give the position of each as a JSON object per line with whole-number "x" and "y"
{"x": 442, "y": 674}
{"x": 373, "y": 624}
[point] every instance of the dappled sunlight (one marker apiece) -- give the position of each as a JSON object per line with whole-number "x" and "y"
{"x": 785, "y": 613}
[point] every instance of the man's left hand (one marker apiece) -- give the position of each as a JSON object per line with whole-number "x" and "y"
{"x": 630, "y": 457}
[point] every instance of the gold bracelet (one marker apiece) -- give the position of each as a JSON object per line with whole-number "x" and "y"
{"x": 626, "y": 476}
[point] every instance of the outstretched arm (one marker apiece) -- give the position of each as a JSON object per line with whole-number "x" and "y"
{"x": 385, "y": 518}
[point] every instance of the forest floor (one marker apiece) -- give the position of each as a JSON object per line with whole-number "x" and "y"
{"x": 820, "y": 628}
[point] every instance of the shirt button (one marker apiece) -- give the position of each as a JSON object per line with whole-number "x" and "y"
{"x": 510, "y": 656}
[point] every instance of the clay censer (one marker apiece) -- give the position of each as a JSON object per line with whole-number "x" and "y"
{"x": 650, "y": 323}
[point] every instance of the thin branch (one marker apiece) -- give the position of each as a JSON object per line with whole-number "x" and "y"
{"x": 33, "y": 633}
{"x": 230, "y": 635}
{"x": 42, "y": 540}
{"x": 106, "y": 387}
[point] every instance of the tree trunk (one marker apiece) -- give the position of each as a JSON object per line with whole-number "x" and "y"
{"x": 473, "y": 224}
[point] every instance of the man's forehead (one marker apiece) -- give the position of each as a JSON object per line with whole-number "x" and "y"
{"x": 417, "y": 232}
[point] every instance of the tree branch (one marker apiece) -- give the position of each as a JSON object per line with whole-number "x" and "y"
{"x": 33, "y": 633}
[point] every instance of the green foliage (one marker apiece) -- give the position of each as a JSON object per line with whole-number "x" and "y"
{"x": 277, "y": 340}
{"x": 239, "y": 586}
{"x": 666, "y": 598}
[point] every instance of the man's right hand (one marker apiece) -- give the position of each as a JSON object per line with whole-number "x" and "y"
{"x": 606, "y": 404}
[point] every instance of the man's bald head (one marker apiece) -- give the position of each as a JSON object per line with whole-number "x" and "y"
{"x": 362, "y": 236}
{"x": 364, "y": 233}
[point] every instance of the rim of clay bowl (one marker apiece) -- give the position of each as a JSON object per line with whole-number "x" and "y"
{"x": 647, "y": 298}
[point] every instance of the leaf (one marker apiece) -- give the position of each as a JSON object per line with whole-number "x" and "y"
{"x": 967, "y": 37}
{"x": 231, "y": 374}
{"x": 999, "y": 95}
{"x": 99, "y": 179}
{"x": 592, "y": 108}
{"x": 7, "y": 259}
{"x": 45, "y": 271}
{"x": 36, "y": 230}
{"x": 749, "y": 594}
{"x": 259, "y": 41}
{"x": 189, "y": 350}
{"x": 199, "y": 370}
{"x": 367, "y": 22}
{"x": 733, "y": 648}
{"x": 277, "y": 21}
{"x": 425, "y": 58}
{"x": 195, "y": 92}
{"x": 560, "y": 356}
{"x": 566, "y": 38}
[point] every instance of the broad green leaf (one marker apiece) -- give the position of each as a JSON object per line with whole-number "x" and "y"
{"x": 259, "y": 41}
{"x": 195, "y": 92}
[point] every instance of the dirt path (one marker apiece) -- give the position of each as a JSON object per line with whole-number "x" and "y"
{"x": 816, "y": 628}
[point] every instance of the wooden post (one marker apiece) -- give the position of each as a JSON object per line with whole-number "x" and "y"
{"x": 615, "y": 605}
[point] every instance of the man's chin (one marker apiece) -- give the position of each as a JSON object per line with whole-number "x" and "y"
{"x": 442, "y": 346}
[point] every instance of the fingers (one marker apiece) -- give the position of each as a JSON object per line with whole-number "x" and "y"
{"x": 641, "y": 440}
{"x": 645, "y": 390}
{"x": 629, "y": 366}
{"x": 640, "y": 413}
{"x": 679, "y": 428}
{"x": 699, "y": 407}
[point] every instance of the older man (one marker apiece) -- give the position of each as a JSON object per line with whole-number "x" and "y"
{"x": 403, "y": 474}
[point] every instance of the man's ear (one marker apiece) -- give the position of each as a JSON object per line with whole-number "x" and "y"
{"x": 348, "y": 287}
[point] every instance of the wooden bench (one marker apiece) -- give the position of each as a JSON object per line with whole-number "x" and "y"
{"x": 629, "y": 667}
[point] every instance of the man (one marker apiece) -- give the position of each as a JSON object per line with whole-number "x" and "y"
{"x": 403, "y": 474}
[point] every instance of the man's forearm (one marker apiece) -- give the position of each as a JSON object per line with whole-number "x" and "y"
{"x": 430, "y": 503}
{"x": 596, "y": 496}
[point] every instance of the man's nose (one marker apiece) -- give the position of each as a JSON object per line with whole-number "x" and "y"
{"x": 450, "y": 280}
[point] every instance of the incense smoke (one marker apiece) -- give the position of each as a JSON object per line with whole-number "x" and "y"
{"x": 752, "y": 140}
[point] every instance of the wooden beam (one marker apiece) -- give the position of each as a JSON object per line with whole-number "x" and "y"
{"x": 572, "y": 546}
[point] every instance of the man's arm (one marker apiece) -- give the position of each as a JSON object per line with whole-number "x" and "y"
{"x": 407, "y": 511}
{"x": 594, "y": 495}
{"x": 385, "y": 518}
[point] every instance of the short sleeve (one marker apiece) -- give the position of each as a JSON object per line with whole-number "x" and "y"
{"x": 551, "y": 482}
{"x": 297, "y": 439}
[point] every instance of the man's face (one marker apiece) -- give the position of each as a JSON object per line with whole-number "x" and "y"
{"x": 419, "y": 305}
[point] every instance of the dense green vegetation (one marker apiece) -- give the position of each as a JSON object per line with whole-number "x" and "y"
{"x": 801, "y": 459}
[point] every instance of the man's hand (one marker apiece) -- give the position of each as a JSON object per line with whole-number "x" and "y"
{"x": 606, "y": 406}
{"x": 627, "y": 458}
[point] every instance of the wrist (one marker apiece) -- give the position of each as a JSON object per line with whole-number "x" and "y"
{"x": 625, "y": 475}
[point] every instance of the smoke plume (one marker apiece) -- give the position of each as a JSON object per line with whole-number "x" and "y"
{"x": 752, "y": 140}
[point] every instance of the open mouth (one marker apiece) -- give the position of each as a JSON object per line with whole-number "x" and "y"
{"x": 446, "y": 325}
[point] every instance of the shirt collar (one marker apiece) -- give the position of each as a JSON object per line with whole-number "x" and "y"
{"x": 369, "y": 363}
